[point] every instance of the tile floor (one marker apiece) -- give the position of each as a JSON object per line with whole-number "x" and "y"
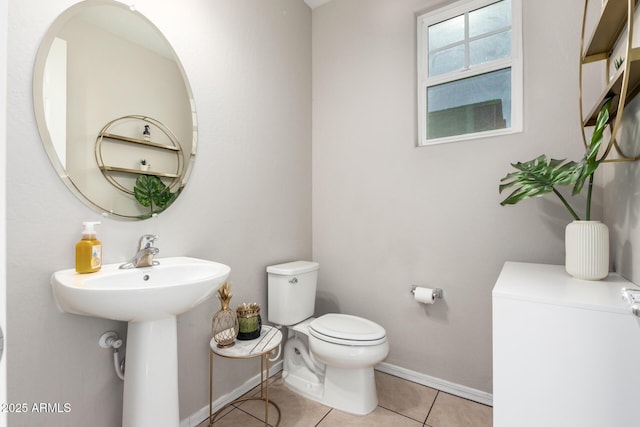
{"x": 401, "y": 404}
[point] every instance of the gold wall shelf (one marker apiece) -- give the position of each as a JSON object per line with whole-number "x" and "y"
{"x": 138, "y": 172}
{"x": 174, "y": 177}
{"x": 614, "y": 88}
{"x": 615, "y": 17}
{"x": 140, "y": 141}
{"x": 607, "y": 31}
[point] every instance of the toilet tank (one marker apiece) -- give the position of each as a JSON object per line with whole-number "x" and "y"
{"x": 291, "y": 291}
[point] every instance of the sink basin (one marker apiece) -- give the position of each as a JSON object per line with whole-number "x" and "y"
{"x": 149, "y": 299}
{"x": 175, "y": 286}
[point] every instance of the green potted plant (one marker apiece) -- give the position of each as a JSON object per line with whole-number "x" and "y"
{"x": 538, "y": 177}
{"x": 151, "y": 192}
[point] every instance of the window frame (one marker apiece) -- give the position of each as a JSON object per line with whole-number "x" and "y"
{"x": 514, "y": 62}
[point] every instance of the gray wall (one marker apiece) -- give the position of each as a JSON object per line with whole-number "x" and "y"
{"x": 387, "y": 215}
{"x": 248, "y": 203}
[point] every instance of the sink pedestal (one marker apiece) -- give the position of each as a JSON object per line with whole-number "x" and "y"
{"x": 151, "y": 374}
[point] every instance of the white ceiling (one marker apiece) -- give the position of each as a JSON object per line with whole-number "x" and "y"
{"x": 315, "y": 3}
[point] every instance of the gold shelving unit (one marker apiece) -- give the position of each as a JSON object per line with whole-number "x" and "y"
{"x": 138, "y": 172}
{"x": 109, "y": 171}
{"x": 616, "y": 16}
{"x": 141, "y": 142}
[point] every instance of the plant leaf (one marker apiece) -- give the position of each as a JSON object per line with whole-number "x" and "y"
{"x": 143, "y": 190}
{"x": 536, "y": 178}
{"x": 149, "y": 190}
{"x": 164, "y": 197}
{"x": 590, "y": 162}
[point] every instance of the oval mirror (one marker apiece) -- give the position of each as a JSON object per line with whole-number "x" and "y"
{"x": 114, "y": 109}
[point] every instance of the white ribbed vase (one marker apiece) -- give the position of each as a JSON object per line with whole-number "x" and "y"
{"x": 587, "y": 250}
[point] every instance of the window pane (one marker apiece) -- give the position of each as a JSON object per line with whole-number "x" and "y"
{"x": 490, "y": 48}
{"x": 444, "y": 61}
{"x": 474, "y": 104}
{"x": 490, "y": 18}
{"x": 446, "y": 32}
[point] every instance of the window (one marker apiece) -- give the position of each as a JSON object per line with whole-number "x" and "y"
{"x": 469, "y": 71}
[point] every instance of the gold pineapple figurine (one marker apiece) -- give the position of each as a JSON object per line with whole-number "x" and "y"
{"x": 224, "y": 293}
{"x": 224, "y": 327}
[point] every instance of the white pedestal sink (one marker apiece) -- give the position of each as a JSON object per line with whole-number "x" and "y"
{"x": 149, "y": 299}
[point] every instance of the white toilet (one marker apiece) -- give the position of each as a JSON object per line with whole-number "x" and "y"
{"x": 329, "y": 359}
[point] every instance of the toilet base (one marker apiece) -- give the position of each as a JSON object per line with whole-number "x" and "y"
{"x": 348, "y": 390}
{"x": 351, "y": 390}
{"x": 338, "y": 376}
{"x": 302, "y": 386}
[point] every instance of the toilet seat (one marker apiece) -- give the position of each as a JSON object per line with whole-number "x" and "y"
{"x": 346, "y": 329}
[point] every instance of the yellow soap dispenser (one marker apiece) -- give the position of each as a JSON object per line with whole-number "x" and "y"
{"x": 89, "y": 249}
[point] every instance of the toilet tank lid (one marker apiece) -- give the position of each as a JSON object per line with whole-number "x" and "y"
{"x": 293, "y": 268}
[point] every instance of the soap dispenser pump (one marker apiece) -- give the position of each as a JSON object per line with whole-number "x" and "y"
{"x": 89, "y": 249}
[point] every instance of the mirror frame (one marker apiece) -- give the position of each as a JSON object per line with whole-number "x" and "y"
{"x": 38, "y": 103}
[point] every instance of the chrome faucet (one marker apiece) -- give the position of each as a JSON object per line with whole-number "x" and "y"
{"x": 146, "y": 251}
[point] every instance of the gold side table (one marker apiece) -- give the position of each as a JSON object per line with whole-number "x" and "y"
{"x": 270, "y": 338}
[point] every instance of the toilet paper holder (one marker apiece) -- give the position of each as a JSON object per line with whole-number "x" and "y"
{"x": 437, "y": 292}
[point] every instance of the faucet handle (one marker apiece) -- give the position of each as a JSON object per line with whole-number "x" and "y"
{"x": 146, "y": 241}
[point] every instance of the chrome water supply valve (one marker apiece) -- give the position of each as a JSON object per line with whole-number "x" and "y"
{"x": 112, "y": 340}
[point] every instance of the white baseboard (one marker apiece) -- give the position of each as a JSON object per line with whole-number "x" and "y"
{"x": 437, "y": 383}
{"x": 195, "y": 419}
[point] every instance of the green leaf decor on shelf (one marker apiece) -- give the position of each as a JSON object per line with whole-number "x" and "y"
{"x": 152, "y": 193}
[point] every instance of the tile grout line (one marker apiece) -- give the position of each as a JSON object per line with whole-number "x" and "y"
{"x": 430, "y": 409}
{"x": 325, "y": 416}
{"x": 401, "y": 414}
{"x": 238, "y": 408}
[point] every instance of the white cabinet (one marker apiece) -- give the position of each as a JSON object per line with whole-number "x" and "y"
{"x": 566, "y": 352}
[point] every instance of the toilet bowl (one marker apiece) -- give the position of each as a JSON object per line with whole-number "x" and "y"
{"x": 348, "y": 342}
{"x": 331, "y": 358}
